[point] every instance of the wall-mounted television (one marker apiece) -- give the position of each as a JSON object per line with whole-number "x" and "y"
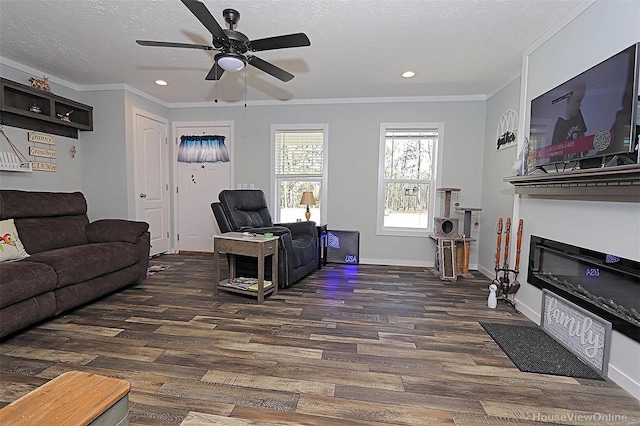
{"x": 591, "y": 116}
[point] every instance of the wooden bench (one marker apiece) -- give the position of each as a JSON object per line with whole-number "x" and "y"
{"x": 73, "y": 398}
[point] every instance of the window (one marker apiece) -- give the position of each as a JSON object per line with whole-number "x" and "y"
{"x": 407, "y": 177}
{"x": 299, "y": 165}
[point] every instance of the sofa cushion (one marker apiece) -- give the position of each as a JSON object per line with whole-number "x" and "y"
{"x": 245, "y": 208}
{"x": 113, "y": 230}
{"x": 11, "y": 247}
{"x": 22, "y": 280}
{"x": 17, "y": 204}
{"x": 48, "y": 233}
{"x": 81, "y": 263}
{"x": 22, "y": 314}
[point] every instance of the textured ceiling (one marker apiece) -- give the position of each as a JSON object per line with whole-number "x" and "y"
{"x": 358, "y": 48}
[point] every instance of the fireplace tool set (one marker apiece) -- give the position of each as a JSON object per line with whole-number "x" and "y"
{"x": 505, "y": 286}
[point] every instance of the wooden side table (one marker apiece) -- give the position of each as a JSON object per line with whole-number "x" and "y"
{"x": 323, "y": 245}
{"x": 235, "y": 243}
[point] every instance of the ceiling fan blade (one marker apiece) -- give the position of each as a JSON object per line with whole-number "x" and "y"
{"x": 171, "y": 44}
{"x": 280, "y": 42}
{"x": 202, "y": 13}
{"x": 269, "y": 68}
{"x": 215, "y": 72}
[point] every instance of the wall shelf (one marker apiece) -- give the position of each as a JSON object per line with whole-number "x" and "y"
{"x": 16, "y": 101}
{"x": 617, "y": 183}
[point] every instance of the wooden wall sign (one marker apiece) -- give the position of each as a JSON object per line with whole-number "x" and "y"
{"x": 47, "y": 167}
{"x": 507, "y": 129}
{"x": 42, "y": 152}
{"x": 581, "y": 332}
{"x": 41, "y": 138}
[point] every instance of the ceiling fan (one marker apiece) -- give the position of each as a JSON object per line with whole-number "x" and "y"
{"x": 233, "y": 44}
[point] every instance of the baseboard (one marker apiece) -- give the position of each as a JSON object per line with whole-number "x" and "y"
{"x": 412, "y": 263}
{"x": 530, "y": 313}
{"x": 396, "y": 262}
{"x": 624, "y": 381}
{"x": 486, "y": 272}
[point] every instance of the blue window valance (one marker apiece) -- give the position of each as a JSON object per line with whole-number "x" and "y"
{"x": 202, "y": 149}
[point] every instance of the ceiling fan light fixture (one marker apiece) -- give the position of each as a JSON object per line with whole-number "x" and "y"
{"x": 230, "y": 63}
{"x": 408, "y": 74}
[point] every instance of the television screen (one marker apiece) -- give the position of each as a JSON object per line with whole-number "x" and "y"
{"x": 591, "y": 115}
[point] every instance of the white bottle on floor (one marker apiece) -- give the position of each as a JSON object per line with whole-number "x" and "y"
{"x": 492, "y": 302}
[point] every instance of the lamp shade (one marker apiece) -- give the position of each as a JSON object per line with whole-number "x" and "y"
{"x": 308, "y": 199}
{"x": 230, "y": 63}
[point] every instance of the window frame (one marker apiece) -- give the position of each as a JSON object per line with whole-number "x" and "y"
{"x": 434, "y": 183}
{"x": 275, "y": 179}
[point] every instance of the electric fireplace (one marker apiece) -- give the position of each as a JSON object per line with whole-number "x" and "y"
{"x": 604, "y": 284}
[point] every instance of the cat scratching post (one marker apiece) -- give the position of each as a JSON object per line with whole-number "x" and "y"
{"x": 452, "y": 259}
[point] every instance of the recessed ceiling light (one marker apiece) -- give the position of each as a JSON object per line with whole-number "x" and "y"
{"x": 408, "y": 74}
{"x": 161, "y": 83}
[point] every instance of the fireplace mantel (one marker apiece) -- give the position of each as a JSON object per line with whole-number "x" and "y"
{"x": 617, "y": 183}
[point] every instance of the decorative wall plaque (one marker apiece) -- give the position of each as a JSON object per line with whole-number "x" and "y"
{"x": 507, "y": 128}
{"x": 581, "y": 332}
{"x": 41, "y": 138}
{"x": 42, "y": 152}
{"x": 47, "y": 167}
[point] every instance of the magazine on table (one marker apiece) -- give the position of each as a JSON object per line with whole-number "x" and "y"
{"x": 243, "y": 283}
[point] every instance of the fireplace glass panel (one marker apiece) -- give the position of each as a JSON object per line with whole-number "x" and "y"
{"x": 605, "y": 284}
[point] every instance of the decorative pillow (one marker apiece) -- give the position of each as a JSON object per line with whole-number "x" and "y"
{"x": 11, "y": 247}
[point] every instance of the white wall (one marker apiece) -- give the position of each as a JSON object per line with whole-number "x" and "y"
{"x": 611, "y": 227}
{"x": 354, "y": 135}
{"x": 497, "y": 195}
{"x": 104, "y": 171}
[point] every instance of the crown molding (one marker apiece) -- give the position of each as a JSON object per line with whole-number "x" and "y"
{"x": 333, "y": 101}
{"x": 126, "y": 88}
{"x": 34, "y": 72}
{"x": 328, "y": 101}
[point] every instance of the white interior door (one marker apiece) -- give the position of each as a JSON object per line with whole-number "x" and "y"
{"x": 198, "y": 186}
{"x": 151, "y": 177}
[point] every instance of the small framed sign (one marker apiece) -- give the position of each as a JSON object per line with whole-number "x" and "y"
{"x": 584, "y": 334}
{"x": 507, "y": 129}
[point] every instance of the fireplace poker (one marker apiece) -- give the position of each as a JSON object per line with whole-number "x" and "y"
{"x": 516, "y": 285}
{"x": 499, "y": 230}
{"x": 507, "y": 236}
{"x": 504, "y": 286}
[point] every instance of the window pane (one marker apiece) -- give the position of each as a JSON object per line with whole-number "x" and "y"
{"x": 408, "y": 157}
{"x": 406, "y": 205}
{"x": 290, "y": 196}
{"x": 299, "y": 152}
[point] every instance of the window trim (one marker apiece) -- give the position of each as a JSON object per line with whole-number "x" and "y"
{"x": 275, "y": 189}
{"x": 434, "y": 205}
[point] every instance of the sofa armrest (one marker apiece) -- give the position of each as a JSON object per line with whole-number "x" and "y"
{"x": 275, "y": 230}
{"x": 113, "y": 230}
{"x": 301, "y": 228}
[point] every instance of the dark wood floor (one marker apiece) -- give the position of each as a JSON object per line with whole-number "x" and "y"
{"x": 366, "y": 345}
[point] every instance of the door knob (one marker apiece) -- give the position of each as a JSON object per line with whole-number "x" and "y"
{"x": 143, "y": 195}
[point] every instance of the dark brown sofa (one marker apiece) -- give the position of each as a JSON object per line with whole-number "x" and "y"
{"x": 71, "y": 261}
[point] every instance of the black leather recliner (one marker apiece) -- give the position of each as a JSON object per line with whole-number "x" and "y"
{"x": 245, "y": 210}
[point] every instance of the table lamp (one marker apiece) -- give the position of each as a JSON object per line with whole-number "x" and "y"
{"x": 307, "y": 198}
